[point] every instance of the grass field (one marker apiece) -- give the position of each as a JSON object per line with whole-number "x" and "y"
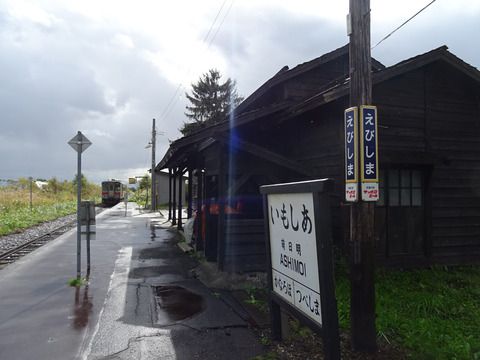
{"x": 432, "y": 313}
{"x": 422, "y": 314}
{"x": 47, "y": 204}
{"x": 21, "y": 217}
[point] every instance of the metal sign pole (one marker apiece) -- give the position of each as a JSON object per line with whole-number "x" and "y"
{"x": 79, "y": 199}
{"x": 79, "y": 143}
{"x": 88, "y": 238}
{"x": 126, "y": 202}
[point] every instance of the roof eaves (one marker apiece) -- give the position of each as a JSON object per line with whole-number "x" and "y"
{"x": 440, "y": 53}
{"x": 285, "y": 74}
{"x": 226, "y": 124}
{"x": 203, "y": 135}
{"x": 342, "y": 89}
{"x": 462, "y": 65}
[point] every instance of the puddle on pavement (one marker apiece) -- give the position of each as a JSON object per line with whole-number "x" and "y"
{"x": 82, "y": 308}
{"x": 157, "y": 229}
{"x": 151, "y": 271}
{"x": 153, "y": 234}
{"x": 166, "y": 278}
{"x": 155, "y": 253}
{"x": 148, "y": 262}
{"x": 117, "y": 213}
{"x": 177, "y": 303}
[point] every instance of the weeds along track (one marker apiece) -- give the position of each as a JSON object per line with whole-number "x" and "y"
{"x": 12, "y": 254}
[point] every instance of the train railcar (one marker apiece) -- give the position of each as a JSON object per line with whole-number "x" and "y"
{"x": 113, "y": 192}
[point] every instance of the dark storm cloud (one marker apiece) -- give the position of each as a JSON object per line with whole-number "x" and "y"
{"x": 48, "y": 91}
{"x": 68, "y": 76}
{"x": 65, "y": 72}
{"x": 260, "y": 42}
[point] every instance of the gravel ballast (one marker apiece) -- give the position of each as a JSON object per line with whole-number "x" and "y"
{"x": 8, "y": 242}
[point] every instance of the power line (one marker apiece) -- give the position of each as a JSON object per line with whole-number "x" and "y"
{"x": 175, "y": 96}
{"x": 215, "y": 20}
{"x": 170, "y": 104}
{"x": 386, "y": 37}
{"x": 219, "y": 26}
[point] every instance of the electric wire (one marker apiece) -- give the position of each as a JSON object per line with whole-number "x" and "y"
{"x": 173, "y": 100}
{"x": 219, "y": 26}
{"x": 175, "y": 96}
{"x": 404, "y": 23}
{"x": 215, "y": 20}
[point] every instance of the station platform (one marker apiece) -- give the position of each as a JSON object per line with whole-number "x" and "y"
{"x": 140, "y": 302}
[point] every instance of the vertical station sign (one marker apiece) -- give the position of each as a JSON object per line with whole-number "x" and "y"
{"x": 369, "y": 153}
{"x": 298, "y": 228}
{"x": 351, "y": 154}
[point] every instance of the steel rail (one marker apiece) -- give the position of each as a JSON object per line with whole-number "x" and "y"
{"x": 17, "y": 252}
{"x": 11, "y": 255}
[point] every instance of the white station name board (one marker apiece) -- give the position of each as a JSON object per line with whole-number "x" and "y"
{"x": 293, "y": 250}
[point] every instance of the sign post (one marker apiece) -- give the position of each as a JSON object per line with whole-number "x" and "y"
{"x": 125, "y": 200}
{"x": 300, "y": 273}
{"x": 362, "y": 214}
{"x": 79, "y": 143}
{"x": 87, "y": 223}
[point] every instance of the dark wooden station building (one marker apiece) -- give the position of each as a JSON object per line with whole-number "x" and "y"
{"x": 291, "y": 129}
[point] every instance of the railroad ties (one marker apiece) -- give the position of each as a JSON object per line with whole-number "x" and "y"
{"x": 12, "y": 255}
{"x": 17, "y": 252}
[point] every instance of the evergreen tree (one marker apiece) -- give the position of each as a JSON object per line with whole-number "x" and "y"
{"x": 211, "y": 101}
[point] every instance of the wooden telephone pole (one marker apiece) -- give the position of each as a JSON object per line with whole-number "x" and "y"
{"x": 154, "y": 193}
{"x": 362, "y": 303}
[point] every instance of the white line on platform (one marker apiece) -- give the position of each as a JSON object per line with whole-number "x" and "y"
{"x": 119, "y": 275}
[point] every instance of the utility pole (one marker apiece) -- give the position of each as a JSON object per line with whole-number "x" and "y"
{"x": 362, "y": 271}
{"x": 153, "y": 192}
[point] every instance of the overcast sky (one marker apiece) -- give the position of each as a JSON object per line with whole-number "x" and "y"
{"x": 107, "y": 67}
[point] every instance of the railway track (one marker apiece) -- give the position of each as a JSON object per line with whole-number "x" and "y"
{"x": 12, "y": 255}
{"x": 17, "y": 252}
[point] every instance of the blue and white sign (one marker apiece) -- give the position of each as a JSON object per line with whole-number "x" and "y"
{"x": 369, "y": 153}
{"x": 351, "y": 157}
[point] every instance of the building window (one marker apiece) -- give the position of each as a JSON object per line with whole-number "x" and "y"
{"x": 401, "y": 187}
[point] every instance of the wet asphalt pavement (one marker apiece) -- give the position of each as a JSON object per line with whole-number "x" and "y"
{"x": 140, "y": 302}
